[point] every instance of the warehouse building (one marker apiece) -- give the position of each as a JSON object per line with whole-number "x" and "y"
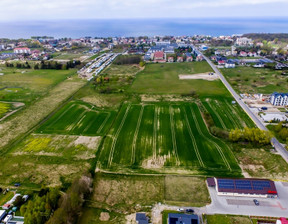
{"x": 244, "y": 187}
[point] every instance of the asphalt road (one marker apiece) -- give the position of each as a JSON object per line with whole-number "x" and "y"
{"x": 278, "y": 147}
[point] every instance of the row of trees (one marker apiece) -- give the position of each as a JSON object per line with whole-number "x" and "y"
{"x": 46, "y": 65}
{"x": 71, "y": 203}
{"x": 39, "y": 210}
{"x": 124, "y": 60}
{"x": 254, "y": 136}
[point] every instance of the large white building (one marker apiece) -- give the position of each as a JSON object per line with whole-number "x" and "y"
{"x": 22, "y": 50}
{"x": 244, "y": 41}
{"x": 279, "y": 99}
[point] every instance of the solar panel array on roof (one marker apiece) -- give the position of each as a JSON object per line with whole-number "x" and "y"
{"x": 252, "y": 186}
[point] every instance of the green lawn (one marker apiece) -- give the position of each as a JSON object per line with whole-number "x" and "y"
{"x": 164, "y": 135}
{"x": 227, "y": 219}
{"x": 78, "y": 118}
{"x": 163, "y": 79}
{"x": 256, "y": 80}
{"x": 26, "y": 85}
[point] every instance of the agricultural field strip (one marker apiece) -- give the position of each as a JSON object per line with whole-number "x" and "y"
{"x": 76, "y": 122}
{"x": 56, "y": 120}
{"x": 136, "y": 135}
{"x": 193, "y": 140}
{"x": 217, "y": 115}
{"x": 209, "y": 140}
{"x": 226, "y": 112}
{"x": 117, "y": 135}
{"x": 104, "y": 122}
{"x": 156, "y": 114}
{"x": 173, "y": 135}
{"x": 230, "y": 114}
{"x": 235, "y": 113}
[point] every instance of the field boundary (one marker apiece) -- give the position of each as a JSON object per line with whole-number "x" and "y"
{"x": 155, "y": 132}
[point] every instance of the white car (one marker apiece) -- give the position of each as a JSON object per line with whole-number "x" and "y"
{"x": 180, "y": 210}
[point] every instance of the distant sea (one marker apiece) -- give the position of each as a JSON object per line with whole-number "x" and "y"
{"x": 139, "y": 27}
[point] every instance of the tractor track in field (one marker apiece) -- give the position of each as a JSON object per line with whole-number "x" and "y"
{"x": 156, "y": 110}
{"x": 64, "y": 112}
{"x": 75, "y": 123}
{"x": 104, "y": 123}
{"x": 193, "y": 140}
{"x": 209, "y": 140}
{"x": 136, "y": 135}
{"x": 116, "y": 136}
{"x": 217, "y": 115}
{"x": 240, "y": 125}
{"x": 173, "y": 135}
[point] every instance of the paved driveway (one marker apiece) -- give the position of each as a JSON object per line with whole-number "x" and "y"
{"x": 245, "y": 206}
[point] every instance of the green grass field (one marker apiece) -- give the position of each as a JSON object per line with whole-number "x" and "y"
{"x": 164, "y": 135}
{"x": 163, "y": 79}
{"x": 227, "y": 115}
{"x": 227, "y": 219}
{"x": 28, "y": 86}
{"x": 4, "y": 108}
{"x": 256, "y": 80}
{"x": 78, "y": 118}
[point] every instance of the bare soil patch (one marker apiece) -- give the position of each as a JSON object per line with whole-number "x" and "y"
{"x": 204, "y": 76}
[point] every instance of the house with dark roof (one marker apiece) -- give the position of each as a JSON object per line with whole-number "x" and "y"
{"x": 279, "y": 99}
{"x": 178, "y": 218}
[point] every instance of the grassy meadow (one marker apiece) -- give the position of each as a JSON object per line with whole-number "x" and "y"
{"x": 163, "y": 79}
{"x": 256, "y": 80}
{"x": 26, "y": 85}
{"x": 4, "y": 108}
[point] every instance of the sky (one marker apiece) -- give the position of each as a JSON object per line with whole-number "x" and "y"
{"x": 16, "y": 10}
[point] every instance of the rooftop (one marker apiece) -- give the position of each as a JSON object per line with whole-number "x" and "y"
{"x": 246, "y": 186}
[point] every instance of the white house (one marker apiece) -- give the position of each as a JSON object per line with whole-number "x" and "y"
{"x": 22, "y": 50}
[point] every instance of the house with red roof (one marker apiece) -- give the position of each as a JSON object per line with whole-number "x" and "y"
{"x": 159, "y": 56}
{"x": 179, "y": 59}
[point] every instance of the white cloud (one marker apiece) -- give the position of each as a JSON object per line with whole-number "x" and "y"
{"x": 61, "y": 9}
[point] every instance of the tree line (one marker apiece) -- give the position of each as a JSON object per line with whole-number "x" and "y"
{"x": 46, "y": 65}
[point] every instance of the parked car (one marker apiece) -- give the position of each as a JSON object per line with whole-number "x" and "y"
{"x": 256, "y": 202}
{"x": 17, "y": 184}
{"x": 180, "y": 210}
{"x": 189, "y": 210}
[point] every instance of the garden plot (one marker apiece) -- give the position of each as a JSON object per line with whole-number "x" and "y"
{"x": 78, "y": 118}
{"x": 204, "y": 76}
{"x": 164, "y": 135}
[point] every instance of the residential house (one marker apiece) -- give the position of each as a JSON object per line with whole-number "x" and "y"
{"x": 170, "y": 59}
{"x": 177, "y": 218}
{"x": 179, "y": 59}
{"x": 230, "y": 64}
{"x": 243, "y": 54}
{"x": 189, "y": 57}
{"x": 199, "y": 58}
{"x": 159, "y": 56}
{"x": 141, "y": 218}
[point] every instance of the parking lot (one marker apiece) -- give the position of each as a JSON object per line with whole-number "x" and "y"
{"x": 245, "y": 205}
